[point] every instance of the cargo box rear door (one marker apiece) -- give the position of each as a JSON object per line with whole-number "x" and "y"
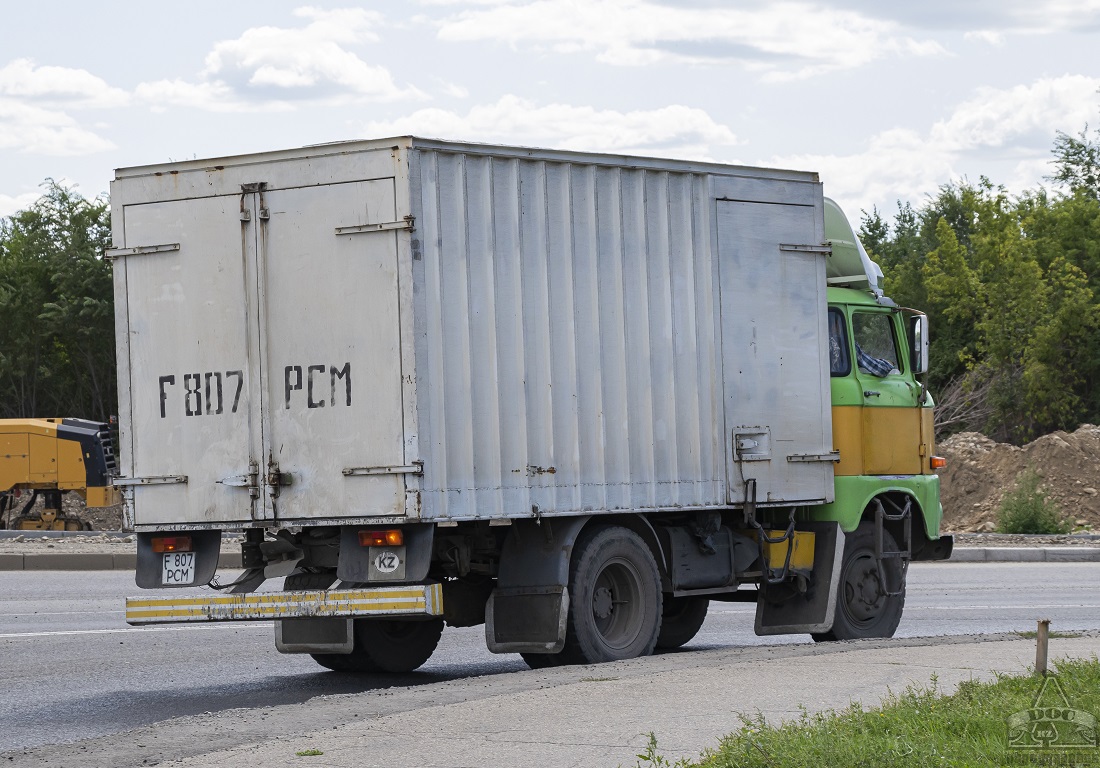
{"x": 264, "y": 356}
{"x": 778, "y": 418}
{"x": 191, "y": 438}
{"x": 332, "y": 413}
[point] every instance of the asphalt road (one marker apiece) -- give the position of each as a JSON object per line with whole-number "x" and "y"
{"x": 73, "y": 670}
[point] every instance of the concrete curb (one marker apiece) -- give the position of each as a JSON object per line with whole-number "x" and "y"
{"x": 1026, "y": 555}
{"x": 89, "y": 561}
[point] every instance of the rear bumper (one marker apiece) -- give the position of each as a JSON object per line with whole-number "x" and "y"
{"x": 403, "y": 600}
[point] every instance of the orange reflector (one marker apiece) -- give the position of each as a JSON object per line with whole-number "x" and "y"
{"x": 171, "y": 543}
{"x": 391, "y": 538}
{"x": 938, "y": 462}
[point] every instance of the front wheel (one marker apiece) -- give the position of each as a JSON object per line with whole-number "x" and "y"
{"x": 863, "y": 607}
{"x": 386, "y": 645}
{"x": 614, "y": 598}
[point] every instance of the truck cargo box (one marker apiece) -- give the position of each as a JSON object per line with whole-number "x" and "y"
{"x": 415, "y": 329}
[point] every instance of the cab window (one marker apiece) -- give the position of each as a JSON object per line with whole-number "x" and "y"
{"x": 876, "y": 347}
{"x": 839, "y": 363}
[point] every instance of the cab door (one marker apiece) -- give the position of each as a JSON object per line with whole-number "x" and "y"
{"x": 890, "y": 418}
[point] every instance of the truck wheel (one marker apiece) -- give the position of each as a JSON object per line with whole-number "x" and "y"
{"x": 863, "y": 609}
{"x": 615, "y": 598}
{"x": 386, "y": 645}
{"x": 681, "y": 620}
{"x": 542, "y": 660}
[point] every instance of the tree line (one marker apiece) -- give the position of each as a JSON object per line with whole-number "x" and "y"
{"x": 1011, "y": 285}
{"x": 1012, "y": 288}
{"x": 57, "y": 336}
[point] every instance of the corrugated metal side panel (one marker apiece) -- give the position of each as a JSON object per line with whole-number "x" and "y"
{"x": 567, "y": 342}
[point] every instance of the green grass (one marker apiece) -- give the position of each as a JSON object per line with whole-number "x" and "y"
{"x": 1027, "y": 509}
{"x": 309, "y": 753}
{"x": 917, "y": 728}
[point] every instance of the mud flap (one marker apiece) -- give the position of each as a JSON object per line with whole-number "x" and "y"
{"x": 206, "y": 546}
{"x": 814, "y": 610}
{"x": 326, "y": 634}
{"x": 528, "y": 611}
{"x": 527, "y": 620}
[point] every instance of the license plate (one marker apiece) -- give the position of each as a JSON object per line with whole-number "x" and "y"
{"x": 179, "y": 568}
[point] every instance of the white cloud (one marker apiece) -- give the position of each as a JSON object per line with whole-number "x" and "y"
{"x": 1014, "y": 127}
{"x": 1053, "y": 16}
{"x": 23, "y": 80}
{"x": 274, "y": 64}
{"x": 995, "y": 117}
{"x": 782, "y": 39}
{"x": 28, "y": 128}
{"x": 988, "y": 36}
{"x": 276, "y": 68}
{"x": 454, "y": 90}
{"x": 10, "y": 204}
{"x": 213, "y": 96}
{"x": 673, "y": 131}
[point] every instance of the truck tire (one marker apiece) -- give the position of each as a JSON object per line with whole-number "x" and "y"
{"x": 681, "y": 619}
{"x": 542, "y": 660}
{"x": 614, "y": 598}
{"x": 386, "y": 645}
{"x": 863, "y": 609}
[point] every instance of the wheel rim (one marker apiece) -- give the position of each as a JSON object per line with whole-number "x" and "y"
{"x": 617, "y": 605}
{"x": 864, "y": 597}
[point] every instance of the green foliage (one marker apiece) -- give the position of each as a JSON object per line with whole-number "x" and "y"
{"x": 309, "y": 753}
{"x": 56, "y": 299}
{"x": 916, "y": 728}
{"x": 1027, "y": 509}
{"x": 1012, "y": 289}
{"x": 651, "y": 758}
{"x": 1077, "y": 162}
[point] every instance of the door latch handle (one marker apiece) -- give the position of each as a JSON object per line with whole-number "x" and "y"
{"x": 277, "y": 478}
{"x": 871, "y": 393}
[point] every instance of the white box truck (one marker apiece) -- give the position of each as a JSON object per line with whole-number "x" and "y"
{"x": 572, "y": 396}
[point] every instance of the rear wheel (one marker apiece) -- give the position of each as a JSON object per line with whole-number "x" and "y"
{"x": 681, "y": 619}
{"x": 542, "y": 660}
{"x": 386, "y": 645}
{"x": 614, "y": 598}
{"x": 863, "y": 607}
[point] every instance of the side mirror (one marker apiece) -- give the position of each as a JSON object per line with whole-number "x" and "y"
{"x": 918, "y": 343}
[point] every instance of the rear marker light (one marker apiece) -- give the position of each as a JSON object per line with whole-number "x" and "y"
{"x": 938, "y": 462}
{"x": 390, "y": 538}
{"x": 171, "y": 544}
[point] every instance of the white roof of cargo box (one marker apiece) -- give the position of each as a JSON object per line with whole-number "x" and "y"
{"x": 440, "y": 145}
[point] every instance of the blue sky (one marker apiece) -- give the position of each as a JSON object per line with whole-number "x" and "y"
{"x": 886, "y": 100}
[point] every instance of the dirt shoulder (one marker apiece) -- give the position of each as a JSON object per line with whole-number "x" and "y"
{"x": 981, "y": 471}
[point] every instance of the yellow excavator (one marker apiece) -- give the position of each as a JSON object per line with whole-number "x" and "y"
{"x": 48, "y": 458}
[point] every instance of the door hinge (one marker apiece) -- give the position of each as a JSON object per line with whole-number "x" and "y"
{"x": 116, "y": 253}
{"x": 416, "y": 468}
{"x": 123, "y": 482}
{"x": 833, "y": 456}
{"x": 248, "y": 480}
{"x": 386, "y": 226}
